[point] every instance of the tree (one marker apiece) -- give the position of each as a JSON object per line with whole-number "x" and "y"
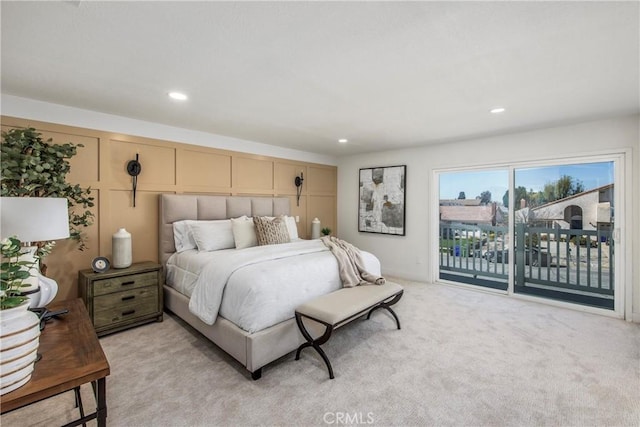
{"x": 578, "y": 187}
{"x": 485, "y": 197}
{"x": 549, "y": 192}
{"x": 32, "y": 167}
{"x": 568, "y": 186}
{"x": 565, "y": 186}
{"x": 520, "y": 193}
{"x": 462, "y": 196}
{"x": 535, "y": 199}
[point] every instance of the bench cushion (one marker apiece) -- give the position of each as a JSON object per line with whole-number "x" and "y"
{"x": 337, "y": 306}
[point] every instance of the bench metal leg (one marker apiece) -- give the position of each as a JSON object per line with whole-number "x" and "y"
{"x": 329, "y": 328}
{"x": 315, "y": 343}
{"x": 387, "y": 306}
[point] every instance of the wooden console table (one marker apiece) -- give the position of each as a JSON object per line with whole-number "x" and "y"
{"x": 71, "y": 356}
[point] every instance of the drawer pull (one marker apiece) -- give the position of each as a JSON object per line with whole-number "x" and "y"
{"x": 128, "y": 312}
{"x": 128, "y": 283}
{"x": 128, "y": 298}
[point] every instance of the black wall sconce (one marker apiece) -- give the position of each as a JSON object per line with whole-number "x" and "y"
{"x": 298, "y": 183}
{"x": 133, "y": 169}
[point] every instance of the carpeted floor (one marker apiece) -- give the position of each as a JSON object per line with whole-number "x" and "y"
{"x": 462, "y": 358}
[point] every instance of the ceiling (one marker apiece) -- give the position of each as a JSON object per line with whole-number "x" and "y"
{"x": 302, "y": 75}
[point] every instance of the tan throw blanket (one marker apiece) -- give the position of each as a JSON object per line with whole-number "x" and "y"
{"x": 350, "y": 265}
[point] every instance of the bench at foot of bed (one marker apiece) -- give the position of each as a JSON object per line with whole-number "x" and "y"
{"x": 341, "y": 307}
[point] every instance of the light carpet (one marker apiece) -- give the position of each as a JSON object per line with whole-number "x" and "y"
{"x": 462, "y": 358}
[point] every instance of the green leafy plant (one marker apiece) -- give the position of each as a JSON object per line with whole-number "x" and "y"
{"x": 325, "y": 231}
{"x": 13, "y": 273}
{"x": 33, "y": 167}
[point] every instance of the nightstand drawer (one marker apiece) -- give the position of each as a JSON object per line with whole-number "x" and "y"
{"x": 123, "y": 283}
{"x": 122, "y": 306}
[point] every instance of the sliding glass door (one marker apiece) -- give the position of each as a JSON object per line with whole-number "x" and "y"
{"x": 563, "y": 232}
{"x": 539, "y": 230}
{"x": 474, "y": 227}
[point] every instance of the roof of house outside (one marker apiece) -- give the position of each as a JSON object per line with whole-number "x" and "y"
{"x": 460, "y": 202}
{"x": 574, "y": 196}
{"x": 469, "y": 214}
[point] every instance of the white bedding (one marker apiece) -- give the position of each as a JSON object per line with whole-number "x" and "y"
{"x": 256, "y": 287}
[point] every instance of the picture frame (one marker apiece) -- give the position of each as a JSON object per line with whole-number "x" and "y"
{"x": 382, "y": 200}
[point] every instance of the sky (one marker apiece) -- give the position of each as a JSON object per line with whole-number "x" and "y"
{"x": 473, "y": 183}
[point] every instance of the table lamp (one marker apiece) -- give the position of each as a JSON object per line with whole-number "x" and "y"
{"x": 35, "y": 219}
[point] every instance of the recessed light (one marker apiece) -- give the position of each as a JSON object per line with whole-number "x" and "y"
{"x": 497, "y": 110}
{"x": 177, "y": 95}
{"x": 343, "y": 141}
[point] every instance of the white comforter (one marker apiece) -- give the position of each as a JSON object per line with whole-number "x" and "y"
{"x": 260, "y": 286}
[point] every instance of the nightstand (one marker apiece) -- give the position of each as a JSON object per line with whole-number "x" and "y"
{"x": 122, "y": 298}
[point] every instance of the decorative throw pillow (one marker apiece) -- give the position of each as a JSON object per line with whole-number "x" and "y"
{"x": 212, "y": 235}
{"x": 244, "y": 232}
{"x": 271, "y": 232}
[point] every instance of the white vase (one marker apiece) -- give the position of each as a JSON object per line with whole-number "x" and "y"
{"x": 19, "y": 340}
{"x": 315, "y": 228}
{"x": 121, "y": 247}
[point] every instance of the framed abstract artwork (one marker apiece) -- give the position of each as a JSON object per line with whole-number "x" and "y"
{"x": 382, "y": 200}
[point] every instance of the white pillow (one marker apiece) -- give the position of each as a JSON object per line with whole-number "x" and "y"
{"x": 291, "y": 227}
{"x": 212, "y": 235}
{"x": 182, "y": 236}
{"x": 244, "y": 232}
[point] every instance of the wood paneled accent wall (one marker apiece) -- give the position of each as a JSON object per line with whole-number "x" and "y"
{"x": 169, "y": 167}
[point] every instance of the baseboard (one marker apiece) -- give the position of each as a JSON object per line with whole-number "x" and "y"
{"x": 404, "y": 275}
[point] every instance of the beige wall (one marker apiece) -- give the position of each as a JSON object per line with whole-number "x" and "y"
{"x": 412, "y": 256}
{"x": 168, "y": 167}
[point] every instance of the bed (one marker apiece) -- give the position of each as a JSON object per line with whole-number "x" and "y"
{"x": 280, "y": 278}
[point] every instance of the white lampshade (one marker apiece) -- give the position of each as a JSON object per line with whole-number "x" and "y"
{"x": 34, "y": 219}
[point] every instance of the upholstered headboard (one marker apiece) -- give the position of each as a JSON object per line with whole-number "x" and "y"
{"x": 176, "y": 207}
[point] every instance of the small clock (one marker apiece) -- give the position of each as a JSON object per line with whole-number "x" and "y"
{"x": 100, "y": 264}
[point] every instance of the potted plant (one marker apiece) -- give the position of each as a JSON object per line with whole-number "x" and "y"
{"x": 20, "y": 331}
{"x": 326, "y": 231}
{"x": 33, "y": 167}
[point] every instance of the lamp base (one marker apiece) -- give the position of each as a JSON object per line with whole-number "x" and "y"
{"x": 31, "y": 265}
{"x": 33, "y": 296}
{"x": 42, "y": 295}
